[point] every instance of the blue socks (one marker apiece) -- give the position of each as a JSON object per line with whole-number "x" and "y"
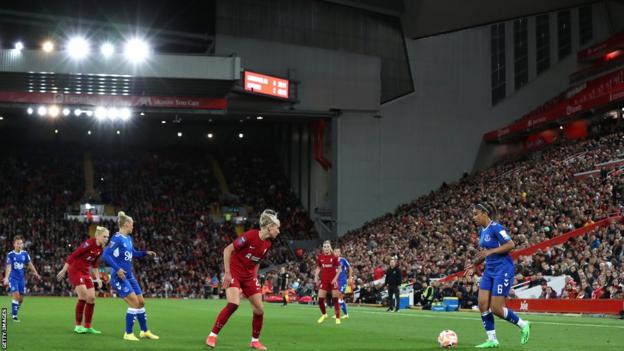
{"x": 343, "y": 306}
{"x": 511, "y": 317}
{"x": 488, "y": 324}
{"x": 15, "y": 305}
{"x": 142, "y": 318}
{"x": 130, "y": 313}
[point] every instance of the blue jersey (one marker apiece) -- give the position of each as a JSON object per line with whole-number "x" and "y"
{"x": 18, "y": 262}
{"x": 344, "y": 265}
{"x": 119, "y": 254}
{"x": 493, "y": 236}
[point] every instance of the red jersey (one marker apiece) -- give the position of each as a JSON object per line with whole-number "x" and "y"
{"x": 249, "y": 249}
{"x": 329, "y": 266}
{"x": 85, "y": 256}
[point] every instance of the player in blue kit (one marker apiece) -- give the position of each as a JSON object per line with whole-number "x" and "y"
{"x": 498, "y": 275}
{"x": 118, "y": 255}
{"x": 14, "y": 277}
{"x": 343, "y": 281}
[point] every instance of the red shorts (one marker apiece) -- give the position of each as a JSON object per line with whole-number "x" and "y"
{"x": 78, "y": 278}
{"x": 250, "y": 286}
{"x": 328, "y": 286}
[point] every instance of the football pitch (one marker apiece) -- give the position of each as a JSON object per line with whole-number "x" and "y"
{"x": 47, "y": 324}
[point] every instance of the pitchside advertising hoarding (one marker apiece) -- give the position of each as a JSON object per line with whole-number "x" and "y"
{"x": 266, "y": 85}
{"x": 177, "y": 102}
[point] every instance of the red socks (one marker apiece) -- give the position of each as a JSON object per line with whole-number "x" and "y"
{"x": 80, "y": 306}
{"x": 225, "y": 314}
{"x": 322, "y": 305}
{"x": 336, "y": 307}
{"x": 89, "y": 314}
{"x": 257, "y": 325}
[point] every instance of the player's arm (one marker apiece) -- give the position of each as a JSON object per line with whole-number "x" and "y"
{"x": 349, "y": 271}
{"x": 505, "y": 248}
{"x": 70, "y": 259}
{"x": 108, "y": 255}
{"x": 338, "y": 270}
{"x": 317, "y": 270}
{"x": 227, "y": 254}
{"x": 138, "y": 253}
{"x": 32, "y": 268}
{"x": 504, "y": 240}
{"x": 7, "y": 271}
{"x": 61, "y": 274}
{"x": 95, "y": 273}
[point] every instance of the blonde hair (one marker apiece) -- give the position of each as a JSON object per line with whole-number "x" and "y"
{"x": 269, "y": 217}
{"x": 328, "y": 243}
{"x": 122, "y": 218}
{"x": 100, "y": 230}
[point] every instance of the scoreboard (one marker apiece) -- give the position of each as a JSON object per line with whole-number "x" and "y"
{"x": 266, "y": 85}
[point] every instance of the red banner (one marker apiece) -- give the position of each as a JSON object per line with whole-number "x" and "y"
{"x": 597, "y": 92}
{"x": 564, "y": 237}
{"x": 601, "y": 49}
{"x": 566, "y": 305}
{"x": 181, "y": 102}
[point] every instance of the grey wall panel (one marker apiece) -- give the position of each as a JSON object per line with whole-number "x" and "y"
{"x": 435, "y": 134}
{"x": 329, "y": 78}
{"x": 425, "y": 18}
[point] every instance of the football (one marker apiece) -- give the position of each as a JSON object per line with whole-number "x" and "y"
{"x": 447, "y": 339}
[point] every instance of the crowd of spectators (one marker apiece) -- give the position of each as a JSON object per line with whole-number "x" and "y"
{"x": 537, "y": 198}
{"x": 171, "y": 196}
{"x": 259, "y": 182}
{"x": 172, "y": 199}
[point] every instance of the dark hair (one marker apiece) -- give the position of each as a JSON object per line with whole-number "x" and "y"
{"x": 18, "y": 237}
{"x": 486, "y": 207}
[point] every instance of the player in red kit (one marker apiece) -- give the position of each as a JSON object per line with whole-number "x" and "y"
{"x": 77, "y": 264}
{"x": 328, "y": 265}
{"x": 241, "y": 260}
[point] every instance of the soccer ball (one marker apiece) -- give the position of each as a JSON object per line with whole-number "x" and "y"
{"x": 447, "y": 339}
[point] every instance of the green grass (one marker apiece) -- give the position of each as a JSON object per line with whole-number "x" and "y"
{"x": 47, "y": 325}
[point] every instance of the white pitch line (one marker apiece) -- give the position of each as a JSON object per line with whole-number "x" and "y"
{"x": 478, "y": 319}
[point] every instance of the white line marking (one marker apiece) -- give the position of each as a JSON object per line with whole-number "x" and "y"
{"x": 441, "y": 316}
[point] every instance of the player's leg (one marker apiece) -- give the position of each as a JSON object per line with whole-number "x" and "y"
{"x": 343, "y": 303}
{"x": 81, "y": 291}
{"x": 335, "y": 297}
{"x": 485, "y": 289}
{"x": 258, "y": 319}
{"x": 142, "y": 318}
{"x": 90, "y": 306}
{"x": 16, "y": 300}
{"x": 502, "y": 285}
{"x": 124, "y": 291}
{"x": 140, "y": 310}
{"x": 321, "y": 301}
{"x": 233, "y": 301}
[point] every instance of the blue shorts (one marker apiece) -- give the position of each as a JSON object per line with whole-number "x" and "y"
{"x": 126, "y": 286}
{"x": 342, "y": 287}
{"x": 498, "y": 279}
{"x": 17, "y": 285}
